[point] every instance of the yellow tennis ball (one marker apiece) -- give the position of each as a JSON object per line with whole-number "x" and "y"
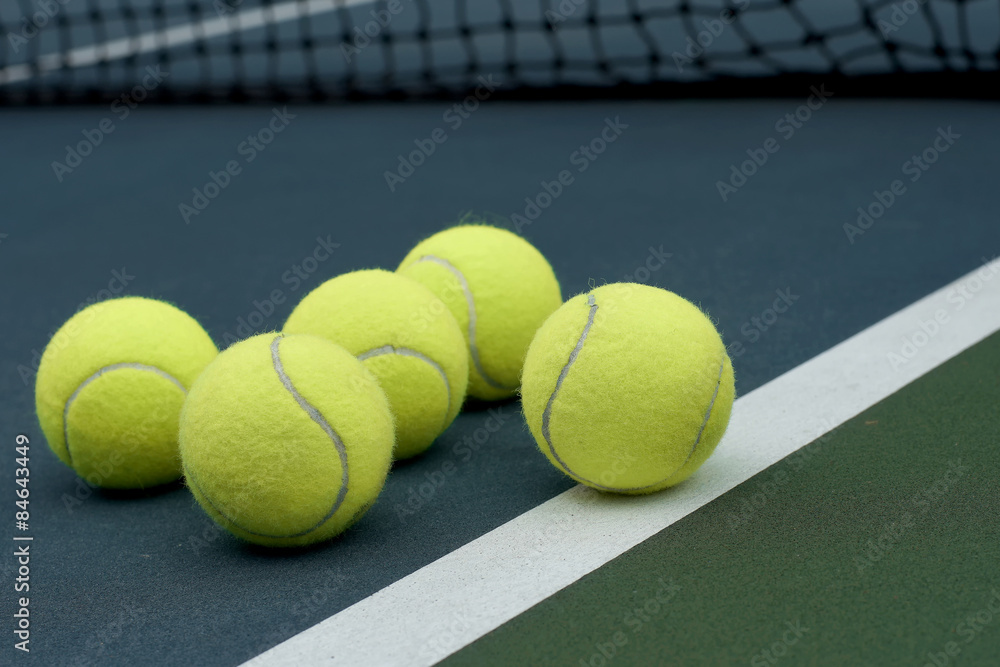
{"x": 628, "y": 388}
{"x": 286, "y": 440}
{"x": 110, "y": 388}
{"x": 405, "y": 336}
{"x": 499, "y": 288}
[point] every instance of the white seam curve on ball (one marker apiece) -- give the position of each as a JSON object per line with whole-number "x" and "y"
{"x": 99, "y": 373}
{"x": 547, "y": 414}
{"x": 317, "y": 417}
{"x": 407, "y": 352}
{"x": 708, "y": 413}
{"x": 473, "y": 347}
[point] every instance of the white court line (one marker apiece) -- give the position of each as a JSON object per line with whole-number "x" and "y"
{"x": 460, "y": 597}
{"x": 170, "y": 38}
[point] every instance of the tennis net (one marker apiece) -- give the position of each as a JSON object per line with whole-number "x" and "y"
{"x": 91, "y": 50}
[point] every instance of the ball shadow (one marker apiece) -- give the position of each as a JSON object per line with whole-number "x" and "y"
{"x": 473, "y": 404}
{"x": 139, "y": 494}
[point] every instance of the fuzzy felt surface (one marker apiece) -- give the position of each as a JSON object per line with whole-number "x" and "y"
{"x": 123, "y": 430}
{"x": 118, "y": 370}
{"x": 627, "y": 388}
{"x": 499, "y": 288}
{"x": 286, "y": 440}
{"x": 407, "y": 338}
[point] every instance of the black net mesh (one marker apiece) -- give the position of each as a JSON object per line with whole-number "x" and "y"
{"x": 70, "y": 50}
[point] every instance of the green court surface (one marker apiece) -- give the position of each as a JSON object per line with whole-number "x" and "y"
{"x": 877, "y": 544}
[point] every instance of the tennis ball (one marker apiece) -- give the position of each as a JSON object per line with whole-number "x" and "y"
{"x": 499, "y": 288}
{"x": 405, "y": 336}
{"x": 110, "y": 387}
{"x": 627, "y": 388}
{"x": 286, "y": 440}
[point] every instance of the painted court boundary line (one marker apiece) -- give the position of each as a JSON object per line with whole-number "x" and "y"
{"x": 171, "y": 38}
{"x": 460, "y": 597}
